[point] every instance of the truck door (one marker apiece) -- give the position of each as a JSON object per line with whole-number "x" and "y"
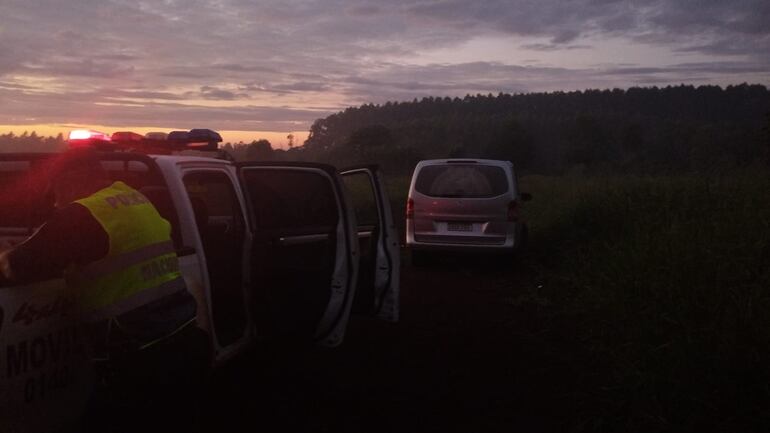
{"x": 223, "y": 237}
{"x": 304, "y": 253}
{"x": 378, "y": 274}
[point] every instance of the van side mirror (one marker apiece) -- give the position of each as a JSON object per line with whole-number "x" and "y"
{"x": 525, "y": 196}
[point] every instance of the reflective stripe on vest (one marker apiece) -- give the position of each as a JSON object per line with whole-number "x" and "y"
{"x": 141, "y": 265}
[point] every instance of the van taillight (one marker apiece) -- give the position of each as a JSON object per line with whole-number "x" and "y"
{"x": 409, "y": 209}
{"x": 513, "y": 211}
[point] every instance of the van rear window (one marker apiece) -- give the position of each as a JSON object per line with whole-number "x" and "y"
{"x": 463, "y": 181}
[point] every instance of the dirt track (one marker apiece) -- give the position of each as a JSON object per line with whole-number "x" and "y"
{"x": 466, "y": 356}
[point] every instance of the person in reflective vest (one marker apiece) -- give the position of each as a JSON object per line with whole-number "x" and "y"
{"x": 138, "y": 277}
{"x": 116, "y": 254}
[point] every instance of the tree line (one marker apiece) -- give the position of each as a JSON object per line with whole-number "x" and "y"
{"x": 31, "y": 142}
{"x": 640, "y": 130}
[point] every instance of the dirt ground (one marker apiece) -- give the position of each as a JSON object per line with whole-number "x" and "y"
{"x": 468, "y": 355}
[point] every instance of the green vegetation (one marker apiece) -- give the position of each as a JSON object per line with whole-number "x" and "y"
{"x": 657, "y": 291}
{"x": 649, "y": 236}
{"x": 639, "y": 130}
{"x": 663, "y": 286}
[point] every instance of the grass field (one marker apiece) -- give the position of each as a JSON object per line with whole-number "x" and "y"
{"x": 661, "y": 287}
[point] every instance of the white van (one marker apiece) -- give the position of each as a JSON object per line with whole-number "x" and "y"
{"x": 464, "y": 205}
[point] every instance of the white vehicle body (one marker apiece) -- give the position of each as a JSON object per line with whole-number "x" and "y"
{"x": 254, "y": 275}
{"x": 464, "y": 205}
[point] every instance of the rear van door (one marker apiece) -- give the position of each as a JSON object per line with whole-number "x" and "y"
{"x": 377, "y": 293}
{"x": 304, "y": 257}
{"x": 461, "y": 202}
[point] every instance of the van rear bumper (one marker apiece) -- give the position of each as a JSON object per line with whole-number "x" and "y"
{"x": 461, "y": 240}
{"x": 468, "y": 244}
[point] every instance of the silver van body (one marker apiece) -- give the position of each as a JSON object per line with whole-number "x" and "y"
{"x": 463, "y": 205}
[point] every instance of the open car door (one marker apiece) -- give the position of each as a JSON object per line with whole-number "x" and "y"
{"x": 304, "y": 255}
{"x": 377, "y": 293}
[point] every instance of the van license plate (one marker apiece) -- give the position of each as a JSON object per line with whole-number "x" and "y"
{"x": 459, "y": 227}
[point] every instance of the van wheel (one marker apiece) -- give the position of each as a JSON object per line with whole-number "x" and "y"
{"x": 419, "y": 259}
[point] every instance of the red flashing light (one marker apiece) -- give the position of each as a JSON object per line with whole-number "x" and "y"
{"x": 152, "y": 143}
{"x": 85, "y": 134}
{"x": 88, "y": 138}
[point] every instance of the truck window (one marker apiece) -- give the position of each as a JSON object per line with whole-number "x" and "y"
{"x": 291, "y": 199}
{"x": 27, "y": 201}
{"x": 295, "y": 249}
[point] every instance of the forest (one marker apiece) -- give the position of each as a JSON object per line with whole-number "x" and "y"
{"x": 639, "y": 130}
{"x": 675, "y": 129}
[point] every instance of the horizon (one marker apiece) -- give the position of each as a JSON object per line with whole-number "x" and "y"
{"x": 279, "y": 139}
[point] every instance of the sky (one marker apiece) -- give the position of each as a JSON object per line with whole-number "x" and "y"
{"x": 255, "y": 69}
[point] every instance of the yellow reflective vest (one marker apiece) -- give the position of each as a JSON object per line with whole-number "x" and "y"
{"x": 141, "y": 268}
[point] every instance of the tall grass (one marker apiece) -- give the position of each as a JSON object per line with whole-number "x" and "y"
{"x": 667, "y": 281}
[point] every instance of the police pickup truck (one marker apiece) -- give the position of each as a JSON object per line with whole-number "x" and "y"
{"x": 269, "y": 250}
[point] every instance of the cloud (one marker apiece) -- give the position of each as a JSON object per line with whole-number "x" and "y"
{"x": 242, "y": 62}
{"x": 554, "y": 47}
{"x": 89, "y": 108}
{"x": 214, "y": 93}
{"x": 11, "y": 86}
{"x": 83, "y": 68}
{"x": 142, "y": 94}
{"x": 303, "y": 86}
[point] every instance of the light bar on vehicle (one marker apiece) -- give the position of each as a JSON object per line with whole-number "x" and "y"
{"x": 153, "y": 142}
{"x": 126, "y": 136}
{"x": 156, "y": 135}
{"x": 203, "y": 136}
{"x": 178, "y": 136}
